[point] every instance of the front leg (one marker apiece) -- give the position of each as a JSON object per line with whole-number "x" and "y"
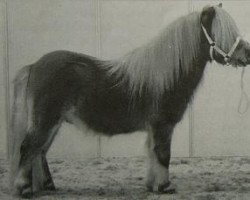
{"x": 159, "y": 150}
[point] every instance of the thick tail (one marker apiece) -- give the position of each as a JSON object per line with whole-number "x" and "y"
{"x": 20, "y": 116}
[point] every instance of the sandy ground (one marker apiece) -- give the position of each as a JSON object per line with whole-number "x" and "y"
{"x": 124, "y": 178}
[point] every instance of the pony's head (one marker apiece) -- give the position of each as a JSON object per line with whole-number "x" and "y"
{"x": 222, "y": 37}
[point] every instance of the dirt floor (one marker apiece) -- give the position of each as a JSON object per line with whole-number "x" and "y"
{"x": 124, "y": 178}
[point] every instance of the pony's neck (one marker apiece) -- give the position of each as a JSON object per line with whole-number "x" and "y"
{"x": 157, "y": 65}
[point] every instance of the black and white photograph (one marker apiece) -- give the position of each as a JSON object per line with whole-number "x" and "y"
{"x": 125, "y": 99}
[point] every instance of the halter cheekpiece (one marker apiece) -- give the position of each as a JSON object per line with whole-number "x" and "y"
{"x": 213, "y": 47}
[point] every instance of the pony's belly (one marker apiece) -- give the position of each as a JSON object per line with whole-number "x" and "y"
{"x": 100, "y": 125}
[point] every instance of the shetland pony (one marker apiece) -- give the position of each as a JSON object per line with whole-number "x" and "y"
{"x": 148, "y": 89}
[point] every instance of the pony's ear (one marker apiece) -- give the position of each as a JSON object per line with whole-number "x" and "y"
{"x": 220, "y": 5}
{"x": 207, "y": 16}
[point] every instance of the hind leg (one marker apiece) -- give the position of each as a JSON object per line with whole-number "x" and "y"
{"x": 33, "y": 169}
{"x": 34, "y": 177}
{"x": 48, "y": 182}
{"x": 159, "y": 150}
{"x": 41, "y": 176}
{"x": 23, "y": 179}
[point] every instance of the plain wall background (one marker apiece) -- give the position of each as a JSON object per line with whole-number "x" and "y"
{"x": 3, "y": 76}
{"x": 108, "y": 29}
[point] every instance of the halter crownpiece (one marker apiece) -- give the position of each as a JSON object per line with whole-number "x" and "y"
{"x": 221, "y": 52}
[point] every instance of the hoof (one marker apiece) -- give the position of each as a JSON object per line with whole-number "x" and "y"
{"x": 49, "y": 187}
{"x": 150, "y": 188}
{"x": 24, "y": 192}
{"x": 166, "y": 188}
{"x": 27, "y": 193}
{"x": 23, "y": 189}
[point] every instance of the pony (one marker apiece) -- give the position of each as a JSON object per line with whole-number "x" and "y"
{"x": 148, "y": 89}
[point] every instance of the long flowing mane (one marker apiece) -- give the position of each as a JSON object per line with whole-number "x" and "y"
{"x": 158, "y": 64}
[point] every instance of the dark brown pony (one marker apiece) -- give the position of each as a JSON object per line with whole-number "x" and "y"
{"x": 148, "y": 89}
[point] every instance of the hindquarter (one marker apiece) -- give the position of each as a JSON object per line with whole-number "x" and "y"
{"x": 54, "y": 85}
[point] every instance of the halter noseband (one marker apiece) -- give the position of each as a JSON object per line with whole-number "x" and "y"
{"x": 213, "y": 46}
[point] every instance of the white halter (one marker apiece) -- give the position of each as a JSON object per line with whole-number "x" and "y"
{"x": 221, "y": 52}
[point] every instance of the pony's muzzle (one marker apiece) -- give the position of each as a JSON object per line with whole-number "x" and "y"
{"x": 246, "y": 58}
